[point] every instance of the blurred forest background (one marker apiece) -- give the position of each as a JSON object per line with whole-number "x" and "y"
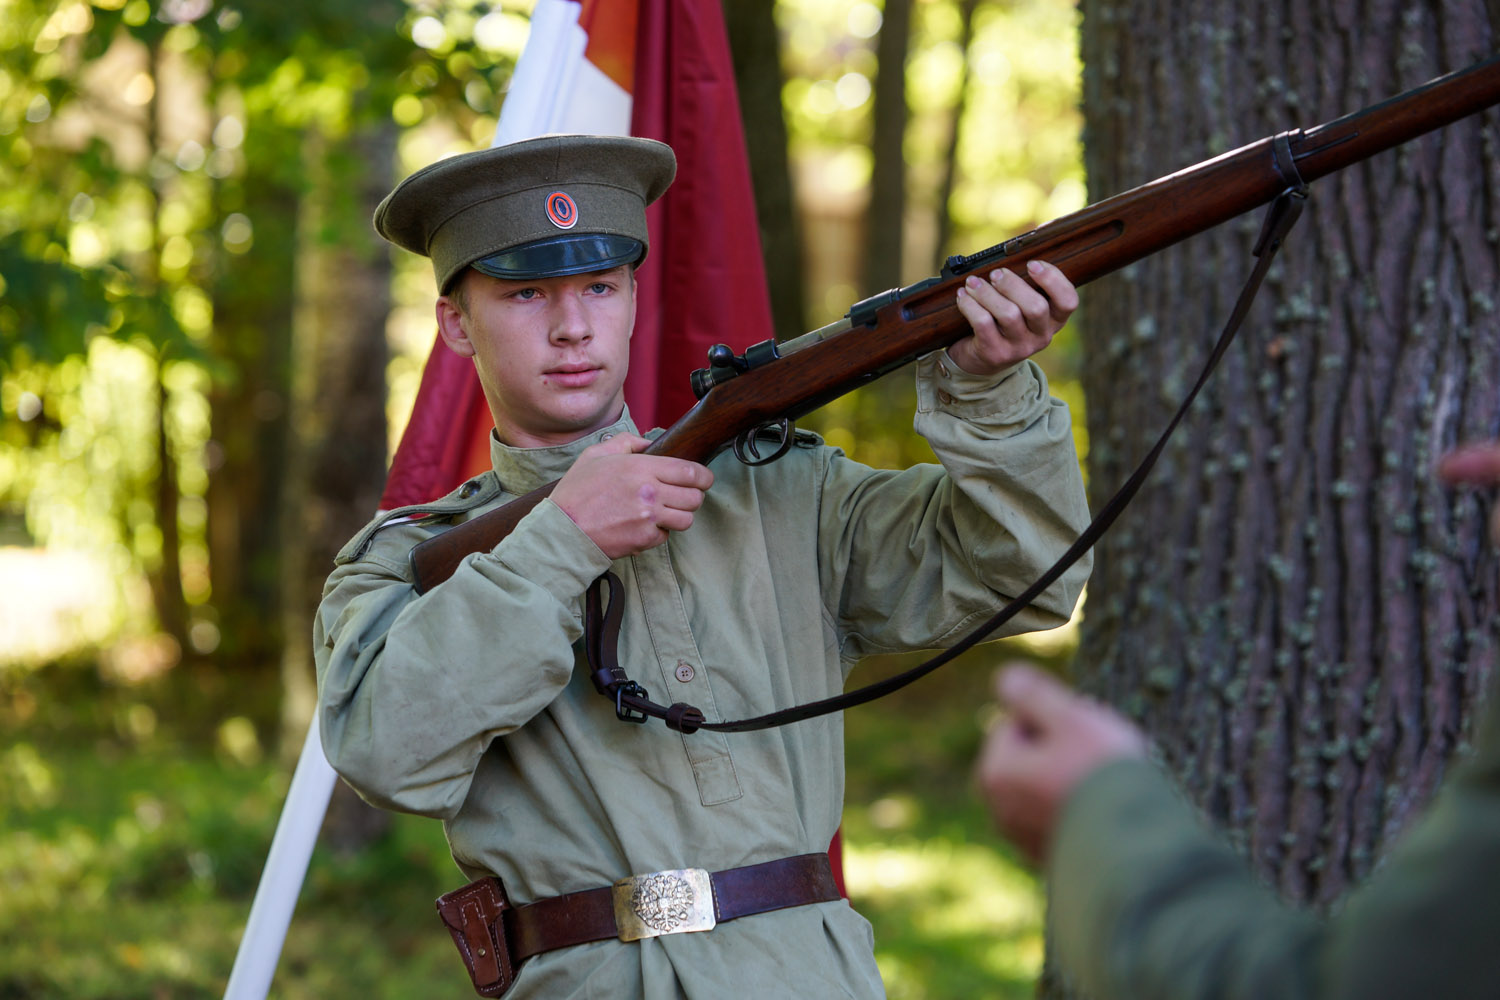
{"x": 206, "y": 356}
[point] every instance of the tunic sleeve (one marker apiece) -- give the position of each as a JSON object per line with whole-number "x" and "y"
{"x": 1147, "y": 903}
{"x": 915, "y": 559}
{"x": 411, "y": 693}
{"x": 1425, "y": 924}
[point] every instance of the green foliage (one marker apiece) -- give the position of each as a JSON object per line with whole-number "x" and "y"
{"x": 1019, "y": 143}
{"x": 134, "y": 842}
{"x": 153, "y": 167}
{"x": 955, "y": 913}
{"x": 1006, "y": 108}
{"x": 1016, "y": 90}
{"x": 49, "y": 306}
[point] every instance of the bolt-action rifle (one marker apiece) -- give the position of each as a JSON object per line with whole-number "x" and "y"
{"x": 744, "y": 398}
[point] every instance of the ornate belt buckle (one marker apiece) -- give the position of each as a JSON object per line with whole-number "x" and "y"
{"x": 669, "y": 902}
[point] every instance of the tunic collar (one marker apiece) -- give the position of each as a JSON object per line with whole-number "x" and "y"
{"x": 522, "y": 470}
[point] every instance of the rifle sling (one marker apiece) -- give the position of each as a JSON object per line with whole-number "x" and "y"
{"x": 602, "y": 620}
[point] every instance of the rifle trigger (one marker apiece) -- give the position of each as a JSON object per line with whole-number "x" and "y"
{"x": 747, "y": 445}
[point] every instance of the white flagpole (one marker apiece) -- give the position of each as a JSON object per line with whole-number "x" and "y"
{"x": 286, "y": 867}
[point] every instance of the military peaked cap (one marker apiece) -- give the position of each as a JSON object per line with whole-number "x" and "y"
{"x": 556, "y": 204}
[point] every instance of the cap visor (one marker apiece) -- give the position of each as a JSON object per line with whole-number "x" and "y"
{"x": 561, "y": 255}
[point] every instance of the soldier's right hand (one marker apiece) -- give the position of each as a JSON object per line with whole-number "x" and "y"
{"x": 628, "y": 502}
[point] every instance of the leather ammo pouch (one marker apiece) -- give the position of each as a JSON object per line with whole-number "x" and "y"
{"x": 472, "y": 915}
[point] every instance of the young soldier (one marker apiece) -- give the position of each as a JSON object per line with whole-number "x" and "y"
{"x": 744, "y": 589}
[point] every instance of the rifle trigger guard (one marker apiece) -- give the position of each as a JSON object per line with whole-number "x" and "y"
{"x": 747, "y": 447}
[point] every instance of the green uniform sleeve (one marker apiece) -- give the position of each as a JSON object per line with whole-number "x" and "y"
{"x": 411, "y": 692}
{"x": 1147, "y": 903}
{"x": 1006, "y": 501}
{"x": 1426, "y": 923}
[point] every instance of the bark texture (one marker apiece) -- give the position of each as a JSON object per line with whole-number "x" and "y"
{"x": 1296, "y": 611}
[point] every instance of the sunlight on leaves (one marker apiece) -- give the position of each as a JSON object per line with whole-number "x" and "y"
{"x": 54, "y": 602}
{"x": 239, "y": 742}
{"x": 957, "y": 900}
{"x": 26, "y": 777}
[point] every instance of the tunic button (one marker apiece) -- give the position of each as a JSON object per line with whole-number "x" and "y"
{"x": 944, "y": 398}
{"x": 605, "y": 437}
{"x": 942, "y": 369}
{"x": 685, "y": 671}
{"x": 469, "y": 489}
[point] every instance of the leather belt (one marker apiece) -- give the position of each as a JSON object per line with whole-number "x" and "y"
{"x": 494, "y": 937}
{"x": 669, "y": 902}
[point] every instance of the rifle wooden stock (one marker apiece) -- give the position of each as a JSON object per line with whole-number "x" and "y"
{"x": 1085, "y": 245}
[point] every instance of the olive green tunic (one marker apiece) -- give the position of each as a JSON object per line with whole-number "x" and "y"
{"x": 1147, "y": 904}
{"x": 466, "y": 703}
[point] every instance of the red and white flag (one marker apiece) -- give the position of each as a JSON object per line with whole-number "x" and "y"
{"x": 576, "y": 74}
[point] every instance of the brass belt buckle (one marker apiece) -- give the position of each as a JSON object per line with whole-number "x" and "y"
{"x": 669, "y": 902}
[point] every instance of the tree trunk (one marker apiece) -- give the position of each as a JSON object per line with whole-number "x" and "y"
{"x": 885, "y": 218}
{"x": 1300, "y": 616}
{"x": 756, "y": 50}
{"x": 949, "y": 175}
{"x": 247, "y": 449}
{"x": 337, "y": 448}
{"x": 165, "y": 577}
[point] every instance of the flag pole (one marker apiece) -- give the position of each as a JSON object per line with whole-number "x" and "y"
{"x": 286, "y": 866}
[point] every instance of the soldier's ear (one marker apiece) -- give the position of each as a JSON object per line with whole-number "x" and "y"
{"x": 453, "y": 327}
{"x": 634, "y": 302}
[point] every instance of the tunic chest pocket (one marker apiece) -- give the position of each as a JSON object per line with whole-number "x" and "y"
{"x": 655, "y": 607}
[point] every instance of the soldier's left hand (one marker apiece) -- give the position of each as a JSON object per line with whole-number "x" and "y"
{"x": 1011, "y": 318}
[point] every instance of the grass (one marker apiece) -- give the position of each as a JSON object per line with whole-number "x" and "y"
{"x": 135, "y": 824}
{"x": 955, "y": 913}
{"x": 135, "y": 818}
